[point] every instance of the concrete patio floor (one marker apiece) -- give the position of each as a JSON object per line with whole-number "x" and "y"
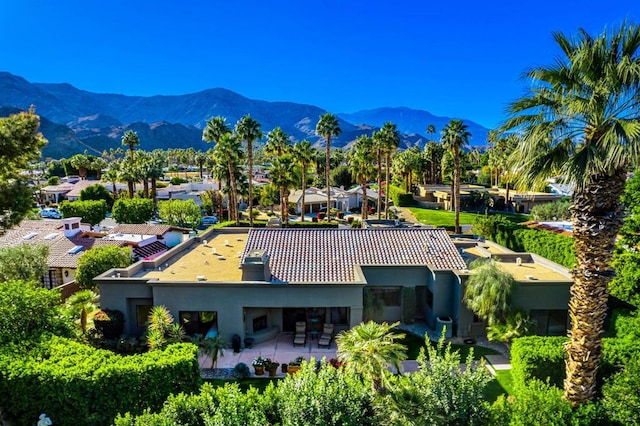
{"x": 279, "y": 349}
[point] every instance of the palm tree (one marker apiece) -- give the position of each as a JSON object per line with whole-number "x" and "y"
{"x": 378, "y": 145}
{"x": 488, "y": 291}
{"x": 434, "y": 152}
{"x": 361, "y": 162}
{"x": 129, "y": 173}
{"x": 213, "y": 131}
{"x": 200, "y": 159}
{"x": 131, "y": 140}
{"x": 81, "y": 163}
{"x": 98, "y": 164}
{"x": 229, "y": 153}
{"x": 327, "y": 127}
{"x": 277, "y": 144}
{"x": 282, "y": 176}
{"x": 248, "y": 130}
{"x": 455, "y": 137}
{"x": 580, "y": 120}
{"x": 304, "y": 154}
{"x": 112, "y": 176}
{"x": 391, "y": 141}
{"x": 370, "y": 349}
{"x": 82, "y": 305}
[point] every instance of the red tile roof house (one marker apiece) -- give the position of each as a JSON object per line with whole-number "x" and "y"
{"x": 259, "y": 282}
{"x": 68, "y": 239}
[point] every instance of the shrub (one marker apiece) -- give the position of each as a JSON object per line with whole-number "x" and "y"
{"x": 76, "y": 384}
{"x": 177, "y": 180}
{"x": 621, "y": 399}
{"x": 537, "y": 357}
{"x": 404, "y": 200}
{"x": 241, "y": 371}
{"x": 134, "y": 210}
{"x": 557, "y": 210}
{"x": 110, "y": 324}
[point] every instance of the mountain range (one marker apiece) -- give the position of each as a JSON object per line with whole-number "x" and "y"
{"x": 75, "y": 120}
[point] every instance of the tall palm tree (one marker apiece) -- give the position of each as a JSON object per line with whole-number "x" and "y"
{"x": 370, "y": 349}
{"x": 98, "y": 164}
{"x": 581, "y": 120}
{"x": 200, "y": 159}
{"x": 434, "y": 152}
{"x": 81, "y": 163}
{"x": 455, "y": 137}
{"x": 391, "y": 141}
{"x": 112, "y": 175}
{"x": 154, "y": 172}
{"x": 248, "y": 130}
{"x": 128, "y": 172}
{"x": 378, "y": 145}
{"x": 213, "y": 131}
{"x": 361, "y": 163}
{"x": 327, "y": 127}
{"x": 304, "y": 154}
{"x": 229, "y": 153}
{"x": 277, "y": 144}
{"x": 131, "y": 140}
{"x": 283, "y": 177}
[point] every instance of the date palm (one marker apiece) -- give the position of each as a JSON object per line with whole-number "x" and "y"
{"x": 283, "y": 177}
{"x": 248, "y": 130}
{"x": 130, "y": 139}
{"x": 304, "y": 154}
{"x": 370, "y": 349}
{"x": 390, "y": 143}
{"x": 378, "y": 145}
{"x": 213, "y": 131}
{"x": 229, "y": 152}
{"x": 455, "y": 137}
{"x": 328, "y": 127}
{"x": 361, "y": 162}
{"x": 580, "y": 120}
{"x": 80, "y": 162}
{"x": 130, "y": 173}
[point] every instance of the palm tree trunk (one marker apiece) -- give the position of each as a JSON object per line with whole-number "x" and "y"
{"x": 145, "y": 190}
{"x": 379, "y": 204}
{"x": 154, "y": 191}
{"x": 386, "y": 186}
{"x": 232, "y": 196}
{"x": 326, "y": 176}
{"x": 456, "y": 158}
{"x": 250, "y": 161}
{"x": 131, "y": 189}
{"x": 304, "y": 188}
{"x": 597, "y": 217}
{"x": 365, "y": 202}
{"x": 220, "y": 200}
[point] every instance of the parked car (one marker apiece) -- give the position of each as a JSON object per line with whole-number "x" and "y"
{"x": 51, "y": 213}
{"x": 208, "y": 220}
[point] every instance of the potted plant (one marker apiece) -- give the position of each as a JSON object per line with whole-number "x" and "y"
{"x": 258, "y": 364}
{"x": 272, "y": 367}
{"x": 294, "y": 365}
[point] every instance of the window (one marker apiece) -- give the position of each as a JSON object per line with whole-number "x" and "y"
{"x": 429, "y": 298}
{"x": 142, "y": 314}
{"x": 391, "y": 296}
{"x": 198, "y": 322}
{"x": 552, "y": 322}
{"x": 340, "y": 316}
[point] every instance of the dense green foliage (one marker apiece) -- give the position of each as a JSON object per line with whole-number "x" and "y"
{"x": 488, "y": 291}
{"x": 557, "y": 210}
{"x": 537, "y": 357}
{"x": 91, "y": 211}
{"x": 555, "y": 247}
{"x": 26, "y": 262}
{"x": 183, "y": 213}
{"x": 134, "y": 210}
{"x": 621, "y": 396}
{"x": 27, "y": 311}
{"x": 98, "y": 260}
{"x": 625, "y": 285}
{"x": 399, "y": 197}
{"x": 97, "y": 192}
{"x": 20, "y": 143}
{"x": 76, "y": 384}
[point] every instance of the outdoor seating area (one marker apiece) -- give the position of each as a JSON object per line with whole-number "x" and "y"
{"x": 326, "y": 337}
{"x": 300, "y": 336}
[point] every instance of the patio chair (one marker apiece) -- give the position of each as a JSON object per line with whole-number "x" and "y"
{"x": 300, "y": 337}
{"x": 326, "y": 336}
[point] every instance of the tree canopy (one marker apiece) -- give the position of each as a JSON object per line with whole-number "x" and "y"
{"x": 99, "y": 260}
{"x": 26, "y": 262}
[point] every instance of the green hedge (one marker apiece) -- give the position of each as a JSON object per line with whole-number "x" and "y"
{"x": 542, "y": 358}
{"x": 76, "y": 384}
{"x": 399, "y": 197}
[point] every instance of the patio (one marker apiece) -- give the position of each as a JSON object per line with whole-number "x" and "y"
{"x": 279, "y": 349}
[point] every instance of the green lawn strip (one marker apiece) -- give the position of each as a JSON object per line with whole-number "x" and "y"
{"x": 502, "y": 384}
{"x": 447, "y": 218}
{"x": 414, "y": 343}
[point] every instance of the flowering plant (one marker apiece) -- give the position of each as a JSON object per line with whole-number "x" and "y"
{"x": 259, "y": 361}
{"x": 271, "y": 365}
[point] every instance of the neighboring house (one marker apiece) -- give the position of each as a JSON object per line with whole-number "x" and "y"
{"x": 316, "y": 199}
{"x": 186, "y": 191}
{"x": 71, "y": 190}
{"x": 259, "y": 283}
{"x": 169, "y": 236}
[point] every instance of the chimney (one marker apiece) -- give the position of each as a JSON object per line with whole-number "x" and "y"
{"x": 255, "y": 266}
{"x": 71, "y": 226}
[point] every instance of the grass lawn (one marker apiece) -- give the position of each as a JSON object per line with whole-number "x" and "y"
{"x": 414, "y": 343}
{"x": 446, "y": 218}
{"x": 502, "y": 384}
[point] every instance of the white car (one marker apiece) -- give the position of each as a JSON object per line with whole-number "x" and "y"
{"x": 51, "y": 213}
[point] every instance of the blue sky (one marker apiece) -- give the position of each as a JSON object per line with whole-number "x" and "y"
{"x": 459, "y": 59}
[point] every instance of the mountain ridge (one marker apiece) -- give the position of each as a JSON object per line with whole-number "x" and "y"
{"x": 98, "y": 120}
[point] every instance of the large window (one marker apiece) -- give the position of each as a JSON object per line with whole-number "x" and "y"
{"x": 142, "y": 314}
{"x": 552, "y": 322}
{"x": 391, "y": 296}
{"x": 340, "y": 316}
{"x": 199, "y": 322}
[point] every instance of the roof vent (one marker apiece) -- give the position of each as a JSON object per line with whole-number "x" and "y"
{"x": 29, "y": 235}
{"x": 75, "y": 249}
{"x": 518, "y": 261}
{"x": 51, "y": 236}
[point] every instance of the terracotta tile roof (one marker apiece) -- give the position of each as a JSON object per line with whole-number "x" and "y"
{"x": 329, "y": 255}
{"x": 50, "y": 233}
{"x": 141, "y": 229}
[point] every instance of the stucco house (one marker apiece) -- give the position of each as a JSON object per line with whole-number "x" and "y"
{"x": 259, "y": 282}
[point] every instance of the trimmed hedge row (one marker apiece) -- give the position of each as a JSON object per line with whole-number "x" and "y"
{"x": 399, "y": 197}
{"x": 75, "y": 384}
{"x": 542, "y": 358}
